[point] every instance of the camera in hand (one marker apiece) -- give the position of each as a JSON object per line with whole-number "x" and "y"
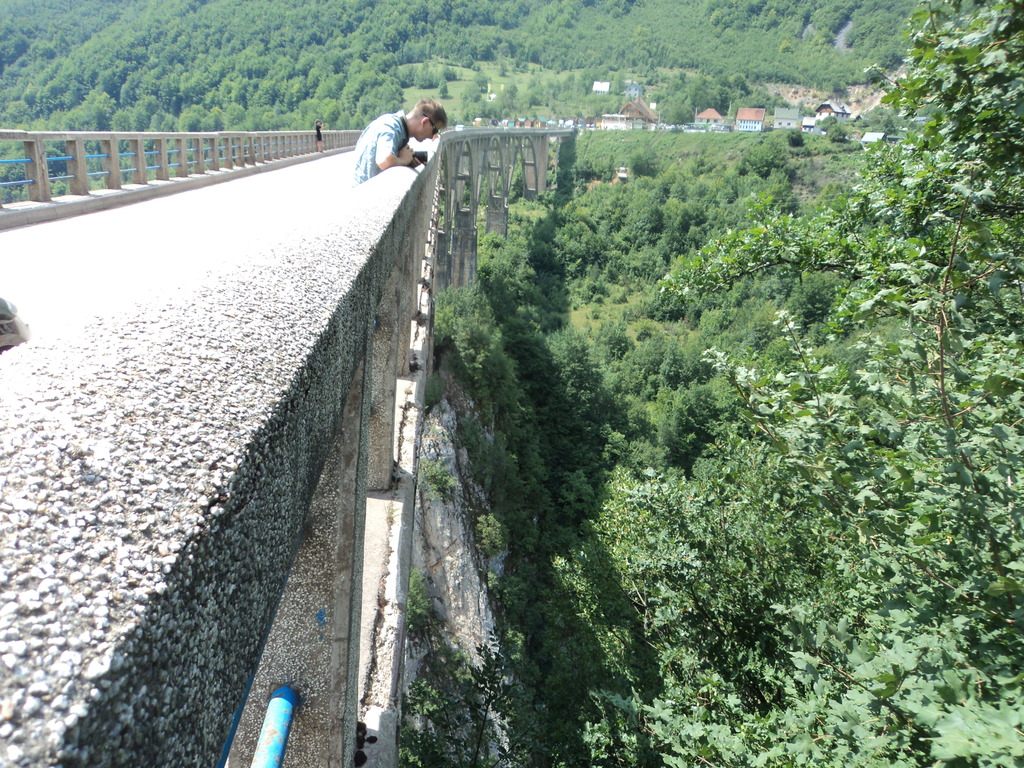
{"x": 420, "y": 156}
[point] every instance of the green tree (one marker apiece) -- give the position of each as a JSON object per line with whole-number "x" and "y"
{"x": 915, "y": 458}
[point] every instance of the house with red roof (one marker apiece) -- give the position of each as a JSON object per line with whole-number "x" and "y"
{"x": 750, "y": 119}
{"x": 709, "y": 117}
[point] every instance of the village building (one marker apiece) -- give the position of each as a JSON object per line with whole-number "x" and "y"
{"x": 619, "y": 123}
{"x": 787, "y": 118}
{"x": 601, "y": 87}
{"x": 634, "y": 90}
{"x": 636, "y": 115}
{"x": 709, "y": 117}
{"x": 750, "y": 119}
{"x": 835, "y": 109}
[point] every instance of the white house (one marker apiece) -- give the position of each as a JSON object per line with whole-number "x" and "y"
{"x": 602, "y": 87}
{"x": 836, "y": 109}
{"x": 750, "y": 119}
{"x": 709, "y": 117}
{"x": 617, "y": 123}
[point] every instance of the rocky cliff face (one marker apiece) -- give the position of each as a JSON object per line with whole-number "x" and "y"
{"x": 448, "y": 716}
{"x": 445, "y": 549}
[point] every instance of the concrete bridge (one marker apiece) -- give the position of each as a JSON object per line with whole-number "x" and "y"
{"x": 208, "y": 448}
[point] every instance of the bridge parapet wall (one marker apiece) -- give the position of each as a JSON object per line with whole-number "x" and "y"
{"x": 160, "y": 477}
{"x": 155, "y": 483}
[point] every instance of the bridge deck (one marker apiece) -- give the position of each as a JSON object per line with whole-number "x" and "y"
{"x": 63, "y": 273}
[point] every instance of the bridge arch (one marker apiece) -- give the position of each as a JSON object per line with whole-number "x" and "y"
{"x": 485, "y": 159}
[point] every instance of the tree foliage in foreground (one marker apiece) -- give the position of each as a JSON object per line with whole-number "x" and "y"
{"x": 910, "y": 465}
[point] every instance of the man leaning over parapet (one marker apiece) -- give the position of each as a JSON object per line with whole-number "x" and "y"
{"x": 385, "y": 142}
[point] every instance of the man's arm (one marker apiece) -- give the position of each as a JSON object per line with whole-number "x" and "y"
{"x": 390, "y": 160}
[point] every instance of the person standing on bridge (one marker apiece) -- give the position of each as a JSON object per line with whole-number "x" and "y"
{"x": 385, "y": 142}
{"x": 318, "y": 126}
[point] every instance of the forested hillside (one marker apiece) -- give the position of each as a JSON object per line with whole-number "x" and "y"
{"x": 269, "y": 64}
{"x": 764, "y": 511}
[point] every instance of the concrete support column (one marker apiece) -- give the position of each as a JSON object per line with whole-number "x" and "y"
{"x": 199, "y": 153}
{"x": 497, "y": 214}
{"x": 554, "y": 157}
{"x": 214, "y": 146}
{"x": 541, "y": 153}
{"x": 347, "y": 588}
{"x": 442, "y": 260}
{"x": 496, "y": 217}
{"x": 392, "y": 331}
{"x": 162, "y": 164}
{"x": 182, "y": 171}
{"x": 464, "y": 248}
{"x": 390, "y": 522}
{"x": 385, "y": 367}
{"x": 39, "y": 189}
{"x": 229, "y": 152}
{"x": 137, "y": 146}
{"x": 112, "y": 162}
{"x": 77, "y": 169}
{"x": 531, "y": 170}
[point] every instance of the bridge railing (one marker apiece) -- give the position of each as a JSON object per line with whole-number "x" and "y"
{"x": 39, "y": 166}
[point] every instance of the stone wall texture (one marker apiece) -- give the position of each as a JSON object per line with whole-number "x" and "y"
{"x": 155, "y": 478}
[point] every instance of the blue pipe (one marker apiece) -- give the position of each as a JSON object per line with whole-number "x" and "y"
{"x": 274, "y": 734}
